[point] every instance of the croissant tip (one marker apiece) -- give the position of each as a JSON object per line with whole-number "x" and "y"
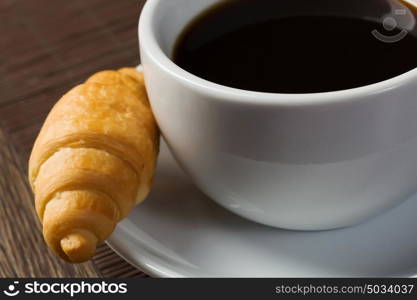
{"x": 79, "y": 246}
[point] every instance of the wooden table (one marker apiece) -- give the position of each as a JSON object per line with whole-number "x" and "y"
{"x": 47, "y": 47}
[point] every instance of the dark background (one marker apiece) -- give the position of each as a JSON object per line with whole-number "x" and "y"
{"x": 47, "y": 47}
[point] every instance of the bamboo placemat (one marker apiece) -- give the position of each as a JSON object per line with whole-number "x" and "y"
{"x": 47, "y": 47}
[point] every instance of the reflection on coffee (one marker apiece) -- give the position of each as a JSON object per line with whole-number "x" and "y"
{"x": 299, "y": 46}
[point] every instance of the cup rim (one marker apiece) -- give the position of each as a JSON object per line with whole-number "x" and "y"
{"x": 149, "y": 43}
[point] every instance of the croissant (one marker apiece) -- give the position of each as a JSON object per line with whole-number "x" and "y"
{"x": 93, "y": 161}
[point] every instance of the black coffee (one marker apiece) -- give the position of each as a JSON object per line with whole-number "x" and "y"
{"x": 299, "y": 46}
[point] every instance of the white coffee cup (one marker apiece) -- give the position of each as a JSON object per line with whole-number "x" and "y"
{"x": 295, "y": 161}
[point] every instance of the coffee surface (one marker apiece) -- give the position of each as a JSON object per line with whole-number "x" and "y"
{"x": 254, "y": 45}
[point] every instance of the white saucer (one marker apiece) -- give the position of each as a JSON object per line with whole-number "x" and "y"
{"x": 179, "y": 232}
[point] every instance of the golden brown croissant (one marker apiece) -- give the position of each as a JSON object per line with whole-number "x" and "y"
{"x": 93, "y": 160}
